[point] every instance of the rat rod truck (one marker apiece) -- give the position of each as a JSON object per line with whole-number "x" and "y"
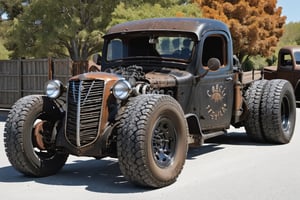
{"x": 164, "y": 84}
{"x": 288, "y": 68}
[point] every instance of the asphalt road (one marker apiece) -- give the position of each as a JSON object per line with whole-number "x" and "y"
{"x": 228, "y": 168}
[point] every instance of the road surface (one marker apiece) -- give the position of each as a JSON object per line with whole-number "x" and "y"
{"x": 229, "y": 168}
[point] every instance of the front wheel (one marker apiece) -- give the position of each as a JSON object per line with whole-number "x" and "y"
{"x": 152, "y": 140}
{"x": 29, "y": 136}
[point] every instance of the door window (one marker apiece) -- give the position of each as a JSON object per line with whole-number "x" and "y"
{"x": 286, "y": 61}
{"x": 214, "y": 47}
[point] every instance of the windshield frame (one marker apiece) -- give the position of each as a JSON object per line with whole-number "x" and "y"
{"x": 146, "y": 42}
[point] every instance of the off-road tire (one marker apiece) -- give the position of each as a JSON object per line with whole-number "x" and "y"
{"x": 152, "y": 140}
{"x": 20, "y": 142}
{"x": 253, "y": 97}
{"x": 278, "y": 111}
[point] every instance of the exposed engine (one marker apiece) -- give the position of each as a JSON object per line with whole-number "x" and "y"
{"x": 153, "y": 82}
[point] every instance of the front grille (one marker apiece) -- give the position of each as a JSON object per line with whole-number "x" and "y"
{"x": 84, "y": 111}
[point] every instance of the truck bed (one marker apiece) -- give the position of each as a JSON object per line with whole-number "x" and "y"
{"x": 250, "y": 76}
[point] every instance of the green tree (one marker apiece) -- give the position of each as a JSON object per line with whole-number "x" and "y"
{"x": 290, "y": 37}
{"x": 255, "y": 25}
{"x": 163, "y": 3}
{"x": 12, "y": 8}
{"x": 291, "y": 34}
{"x": 4, "y": 54}
{"x": 65, "y": 28}
{"x": 123, "y": 12}
{"x": 74, "y": 29}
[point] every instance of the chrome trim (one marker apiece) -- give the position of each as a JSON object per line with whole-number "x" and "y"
{"x": 78, "y": 115}
{"x": 84, "y": 112}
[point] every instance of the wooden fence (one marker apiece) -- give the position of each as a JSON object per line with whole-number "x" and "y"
{"x": 20, "y": 78}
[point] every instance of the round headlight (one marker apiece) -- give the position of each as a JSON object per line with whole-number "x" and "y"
{"x": 54, "y": 89}
{"x": 122, "y": 89}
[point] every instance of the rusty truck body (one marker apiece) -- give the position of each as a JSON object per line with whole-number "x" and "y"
{"x": 165, "y": 84}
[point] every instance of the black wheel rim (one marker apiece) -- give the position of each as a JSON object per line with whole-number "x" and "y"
{"x": 285, "y": 114}
{"x": 164, "y": 139}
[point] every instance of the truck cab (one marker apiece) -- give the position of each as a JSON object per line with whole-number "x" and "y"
{"x": 181, "y": 49}
{"x": 288, "y": 68}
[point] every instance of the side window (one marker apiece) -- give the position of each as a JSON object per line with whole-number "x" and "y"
{"x": 215, "y": 46}
{"x": 115, "y": 49}
{"x": 286, "y": 61}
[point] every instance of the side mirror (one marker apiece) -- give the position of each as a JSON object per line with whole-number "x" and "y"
{"x": 97, "y": 59}
{"x": 213, "y": 64}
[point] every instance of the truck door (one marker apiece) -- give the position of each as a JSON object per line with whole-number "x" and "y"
{"x": 215, "y": 89}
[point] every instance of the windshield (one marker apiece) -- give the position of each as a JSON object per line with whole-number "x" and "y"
{"x": 297, "y": 58}
{"x": 158, "y": 46}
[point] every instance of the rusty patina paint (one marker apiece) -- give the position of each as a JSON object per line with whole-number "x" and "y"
{"x": 110, "y": 80}
{"x": 96, "y": 75}
{"x": 38, "y": 129}
{"x": 158, "y": 80}
{"x": 188, "y": 25}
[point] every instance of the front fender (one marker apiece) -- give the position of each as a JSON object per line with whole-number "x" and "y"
{"x": 195, "y": 132}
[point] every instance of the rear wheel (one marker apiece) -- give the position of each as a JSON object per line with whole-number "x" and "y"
{"x": 152, "y": 140}
{"x": 29, "y": 136}
{"x": 253, "y": 97}
{"x": 278, "y": 111}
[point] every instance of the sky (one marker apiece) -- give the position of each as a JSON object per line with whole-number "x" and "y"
{"x": 290, "y": 8}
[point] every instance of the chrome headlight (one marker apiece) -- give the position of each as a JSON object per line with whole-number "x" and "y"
{"x": 54, "y": 89}
{"x": 122, "y": 89}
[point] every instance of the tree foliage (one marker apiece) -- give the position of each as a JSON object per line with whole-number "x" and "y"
{"x": 4, "y": 54}
{"x": 12, "y": 8}
{"x": 291, "y": 34}
{"x": 255, "y": 25}
{"x": 123, "y": 12}
{"x": 60, "y": 28}
{"x": 69, "y": 28}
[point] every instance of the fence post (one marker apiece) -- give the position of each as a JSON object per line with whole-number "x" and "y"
{"x": 50, "y": 69}
{"x": 79, "y": 67}
{"x": 20, "y": 74}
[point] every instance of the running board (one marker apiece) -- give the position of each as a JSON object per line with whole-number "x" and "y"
{"x": 214, "y": 134}
{"x": 198, "y": 140}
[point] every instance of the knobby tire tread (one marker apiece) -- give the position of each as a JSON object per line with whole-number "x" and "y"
{"x": 253, "y": 97}
{"x": 131, "y": 141}
{"x": 14, "y": 138}
{"x": 271, "y": 111}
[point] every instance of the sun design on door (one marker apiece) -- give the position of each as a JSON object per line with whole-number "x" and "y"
{"x": 218, "y": 107}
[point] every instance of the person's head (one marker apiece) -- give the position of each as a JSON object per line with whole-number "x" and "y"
{"x": 175, "y": 43}
{"x": 186, "y": 43}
